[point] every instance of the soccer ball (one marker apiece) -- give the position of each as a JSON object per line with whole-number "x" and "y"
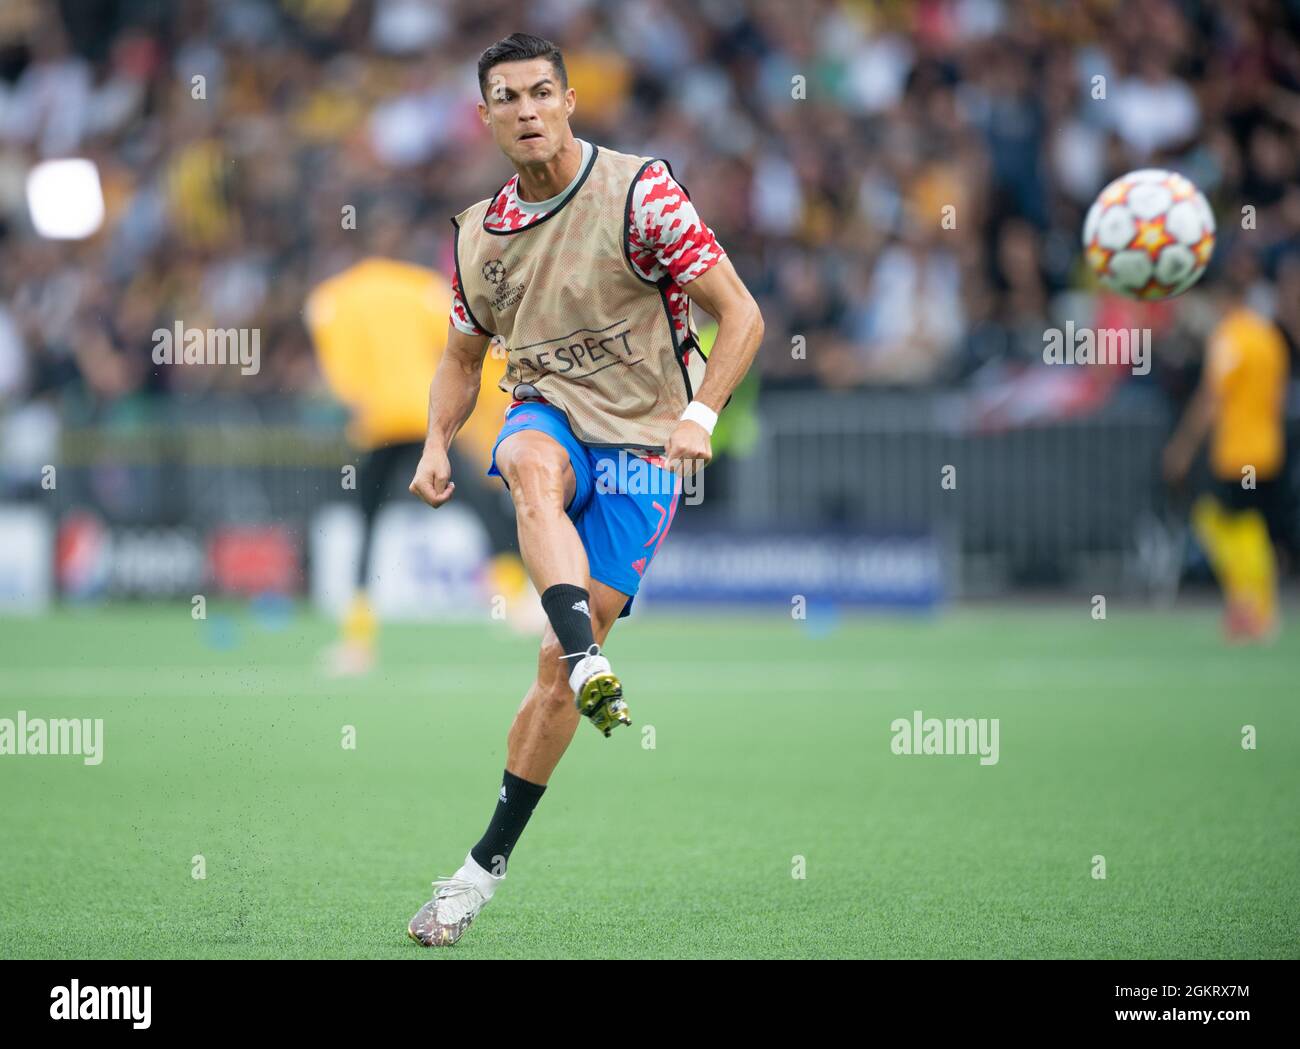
{"x": 1149, "y": 234}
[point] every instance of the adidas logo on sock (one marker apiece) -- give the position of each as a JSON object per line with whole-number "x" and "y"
{"x": 581, "y": 606}
{"x": 503, "y": 792}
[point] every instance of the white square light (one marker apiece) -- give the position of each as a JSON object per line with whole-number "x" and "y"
{"x": 65, "y": 199}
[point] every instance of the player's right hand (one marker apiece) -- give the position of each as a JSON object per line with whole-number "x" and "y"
{"x": 432, "y": 481}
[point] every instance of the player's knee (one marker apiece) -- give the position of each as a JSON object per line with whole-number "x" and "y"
{"x": 535, "y": 475}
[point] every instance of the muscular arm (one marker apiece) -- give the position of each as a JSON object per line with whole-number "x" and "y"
{"x": 723, "y": 296}
{"x": 452, "y": 395}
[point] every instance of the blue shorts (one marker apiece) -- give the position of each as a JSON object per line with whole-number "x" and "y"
{"x": 622, "y": 507}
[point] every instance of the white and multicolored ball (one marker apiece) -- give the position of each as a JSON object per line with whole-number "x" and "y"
{"x": 1149, "y": 234}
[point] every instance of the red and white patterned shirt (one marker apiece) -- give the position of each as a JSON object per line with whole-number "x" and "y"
{"x": 665, "y": 238}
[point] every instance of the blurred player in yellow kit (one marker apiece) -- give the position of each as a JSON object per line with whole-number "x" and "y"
{"x": 379, "y": 328}
{"x": 1240, "y": 403}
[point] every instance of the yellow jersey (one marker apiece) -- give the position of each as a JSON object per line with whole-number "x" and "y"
{"x": 379, "y": 328}
{"x": 1247, "y": 372}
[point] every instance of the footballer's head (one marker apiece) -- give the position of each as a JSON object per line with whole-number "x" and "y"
{"x": 526, "y": 97}
{"x": 1237, "y": 272}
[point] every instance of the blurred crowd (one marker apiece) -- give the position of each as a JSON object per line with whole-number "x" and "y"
{"x": 901, "y": 184}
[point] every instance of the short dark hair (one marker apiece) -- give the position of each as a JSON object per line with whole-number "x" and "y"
{"x": 519, "y": 47}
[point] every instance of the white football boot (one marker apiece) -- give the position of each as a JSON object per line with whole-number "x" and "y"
{"x": 456, "y": 902}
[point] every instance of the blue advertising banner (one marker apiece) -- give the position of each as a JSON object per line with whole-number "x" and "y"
{"x": 887, "y": 571}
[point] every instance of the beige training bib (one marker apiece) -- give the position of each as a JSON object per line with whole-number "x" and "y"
{"x": 580, "y": 324}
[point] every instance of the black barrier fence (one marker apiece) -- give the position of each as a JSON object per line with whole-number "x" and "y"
{"x": 205, "y": 462}
{"x": 1050, "y": 502}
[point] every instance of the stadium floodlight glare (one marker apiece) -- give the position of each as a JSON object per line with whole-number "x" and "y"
{"x": 65, "y": 199}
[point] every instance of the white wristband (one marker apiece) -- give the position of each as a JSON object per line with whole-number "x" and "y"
{"x": 702, "y": 414}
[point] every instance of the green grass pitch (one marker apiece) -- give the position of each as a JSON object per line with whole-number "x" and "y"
{"x": 1119, "y": 738}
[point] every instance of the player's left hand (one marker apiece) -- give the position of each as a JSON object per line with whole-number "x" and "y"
{"x": 689, "y": 448}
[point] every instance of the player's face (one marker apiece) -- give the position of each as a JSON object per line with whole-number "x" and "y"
{"x": 527, "y": 110}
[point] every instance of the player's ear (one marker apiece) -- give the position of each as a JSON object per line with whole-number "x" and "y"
{"x": 570, "y": 101}
{"x": 483, "y": 114}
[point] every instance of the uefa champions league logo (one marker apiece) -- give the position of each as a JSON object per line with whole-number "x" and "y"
{"x": 494, "y": 272}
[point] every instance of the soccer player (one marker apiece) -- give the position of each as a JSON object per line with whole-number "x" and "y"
{"x": 586, "y": 263}
{"x": 1241, "y": 400}
{"x": 378, "y": 328}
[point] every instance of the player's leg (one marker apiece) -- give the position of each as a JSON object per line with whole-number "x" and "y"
{"x": 1270, "y": 508}
{"x": 550, "y": 477}
{"x": 1235, "y": 536}
{"x": 548, "y": 716}
{"x": 542, "y": 730}
{"x": 378, "y": 473}
{"x": 620, "y": 531}
{"x": 548, "y": 474}
{"x": 542, "y": 483}
{"x": 1259, "y": 571}
{"x": 1212, "y": 525}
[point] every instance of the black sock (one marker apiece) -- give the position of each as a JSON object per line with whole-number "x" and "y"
{"x": 566, "y": 607}
{"x": 515, "y": 805}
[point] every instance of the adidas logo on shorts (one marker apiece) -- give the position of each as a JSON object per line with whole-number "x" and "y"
{"x": 581, "y": 606}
